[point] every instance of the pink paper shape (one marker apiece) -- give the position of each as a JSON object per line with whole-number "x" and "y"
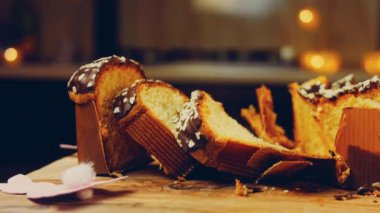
{"x": 22, "y": 184}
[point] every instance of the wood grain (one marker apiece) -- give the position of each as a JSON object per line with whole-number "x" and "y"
{"x": 149, "y": 191}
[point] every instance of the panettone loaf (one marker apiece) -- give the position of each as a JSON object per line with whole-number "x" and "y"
{"x": 318, "y": 107}
{"x": 93, "y": 88}
{"x": 146, "y": 111}
{"x": 330, "y": 167}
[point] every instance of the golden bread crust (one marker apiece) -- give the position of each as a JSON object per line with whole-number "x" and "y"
{"x": 93, "y": 70}
{"x": 264, "y": 122}
{"x": 81, "y": 98}
{"x": 254, "y": 120}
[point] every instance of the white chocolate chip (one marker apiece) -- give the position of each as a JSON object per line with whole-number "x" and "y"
{"x": 191, "y": 144}
{"x": 125, "y": 92}
{"x": 122, "y": 59}
{"x": 90, "y": 84}
{"x": 116, "y": 110}
{"x": 198, "y": 135}
{"x": 74, "y": 89}
{"x": 132, "y": 99}
{"x": 81, "y": 76}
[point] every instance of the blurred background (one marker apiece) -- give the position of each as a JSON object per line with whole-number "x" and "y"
{"x": 226, "y": 47}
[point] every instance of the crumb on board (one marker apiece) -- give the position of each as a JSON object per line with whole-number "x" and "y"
{"x": 241, "y": 189}
{"x": 344, "y": 196}
{"x": 361, "y": 191}
{"x": 181, "y": 179}
{"x": 364, "y": 191}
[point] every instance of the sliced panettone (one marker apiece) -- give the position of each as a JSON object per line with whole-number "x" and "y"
{"x": 146, "y": 111}
{"x": 253, "y": 118}
{"x": 330, "y": 167}
{"x": 217, "y": 140}
{"x": 307, "y": 132}
{"x": 263, "y": 122}
{"x": 318, "y": 107}
{"x": 93, "y": 88}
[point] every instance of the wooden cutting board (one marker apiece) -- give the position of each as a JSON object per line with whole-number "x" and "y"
{"x": 149, "y": 191}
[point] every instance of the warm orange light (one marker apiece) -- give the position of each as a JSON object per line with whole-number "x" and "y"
{"x": 308, "y": 18}
{"x": 317, "y": 61}
{"x": 371, "y": 62}
{"x": 10, "y": 54}
{"x": 326, "y": 62}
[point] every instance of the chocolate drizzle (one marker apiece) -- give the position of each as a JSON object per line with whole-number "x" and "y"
{"x": 83, "y": 80}
{"x": 315, "y": 92}
{"x": 188, "y": 124}
{"x": 126, "y": 98}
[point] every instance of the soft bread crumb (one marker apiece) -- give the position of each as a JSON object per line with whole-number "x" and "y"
{"x": 164, "y": 102}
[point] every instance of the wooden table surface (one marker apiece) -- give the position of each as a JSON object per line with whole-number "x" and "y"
{"x": 149, "y": 191}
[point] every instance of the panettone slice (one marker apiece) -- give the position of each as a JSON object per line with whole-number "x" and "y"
{"x": 92, "y": 88}
{"x": 217, "y": 140}
{"x": 308, "y": 134}
{"x": 263, "y": 122}
{"x": 330, "y": 167}
{"x": 146, "y": 112}
{"x": 318, "y": 107}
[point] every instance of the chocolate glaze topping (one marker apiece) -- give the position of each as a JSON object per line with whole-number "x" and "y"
{"x": 188, "y": 123}
{"x": 126, "y": 99}
{"x": 83, "y": 80}
{"x": 346, "y": 85}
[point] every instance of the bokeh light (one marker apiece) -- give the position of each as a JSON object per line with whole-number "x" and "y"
{"x": 308, "y": 18}
{"x": 371, "y": 62}
{"x": 10, "y": 54}
{"x": 325, "y": 62}
{"x": 317, "y": 61}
